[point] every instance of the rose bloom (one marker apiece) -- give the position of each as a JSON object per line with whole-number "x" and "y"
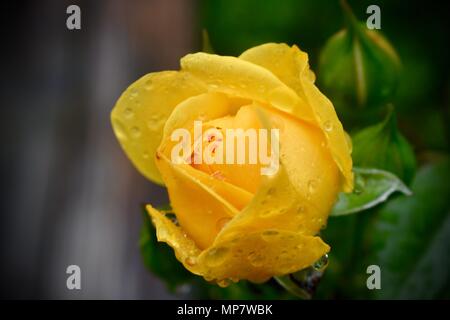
{"x": 232, "y": 222}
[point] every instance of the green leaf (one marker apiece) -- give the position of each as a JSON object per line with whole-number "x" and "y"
{"x": 372, "y": 187}
{"x": 383, "y": 146}
{"x": 160, "y": 259}
{"x": 411, "y": 239}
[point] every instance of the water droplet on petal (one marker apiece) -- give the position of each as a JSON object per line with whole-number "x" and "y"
{"x": 216, "y": 256}
{"x": 191, "y": 261}
{"x": 256, "y": 259}
{"x": 148, "y": 85}
{"x": 145, "y": 155}
{"x": 223, "y": 283}
{"x": 321, "y": 264}
{"x": 312, "y": 186}
{"x": 162, "y": 233}
{"x": 270, "y": 235}
{"x": 120, "y": 130}
{"x": 135, "y": 132}
{"x": 133, "y": 93}
{"x": 221, "y": 223}
{"x": 128, "y": 113}
{"x": 154, "y": 122}
{"x": 328, "y": 126}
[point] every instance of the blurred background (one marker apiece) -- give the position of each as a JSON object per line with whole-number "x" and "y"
{"x": 70, "y": 196}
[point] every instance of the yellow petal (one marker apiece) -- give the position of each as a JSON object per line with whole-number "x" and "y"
{"x": 290, "y": 65}
{"x": 142, "y": 110}
{"x": 245, "y": 118}
{"x": 279, "y": 205}
{"x": 185, "y": 248}
{"x": 254, "y": 256}
{"x": 257, "y": 256}
{"x": 199, "y": 201}
{"x": 240, "y": 78}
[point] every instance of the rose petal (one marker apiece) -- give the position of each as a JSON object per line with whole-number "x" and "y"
{"x": 140, "y": 113}
{"x": 290, "y": 65}
{"x": 237, "y": 77}
{"x": 199, "y": 200}
{"x": 259, "y": 255}
{"x": 254, "y": 256}
{"x": 185, "y": 248}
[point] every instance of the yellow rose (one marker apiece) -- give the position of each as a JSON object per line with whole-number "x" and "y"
{"x": 233, "y": 222}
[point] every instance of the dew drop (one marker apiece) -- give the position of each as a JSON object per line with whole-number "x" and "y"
{"x": 321, "y": 264}
{"x": 145, "y": 155}
{"x": 271, "y": 191}
{"x": 221, "y": 223}
{"x": 208, "y": 278}
{"x": 284, "y": 254}
{"x": 128, "y": 113}
{"x": 223, "y": 283}
{"x": 154, "y": 122}
{"x": 256, "y": 259}
{"x": 269, "y": 235}
{"x": 216, "y": 256}
{"x": 312, "y": 186}
{"x": 148, "y": 85}
{"x": 162, "y": 233}
{"x": 191, "y": 261}
{"x": 135, "y": 132}
{"x": 328, "y": 126}
{"x": 133, "y": 93}
{"x": 266, "y": 213}
{"x": 120, "y": 130}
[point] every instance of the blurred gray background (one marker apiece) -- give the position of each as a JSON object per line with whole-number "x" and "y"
{"x": 69, "y": 195}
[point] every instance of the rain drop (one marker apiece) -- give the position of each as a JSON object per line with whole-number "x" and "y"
{"x": 328, "y": 126}
{"x": 135, "y": 132}
{"x": 121, "y": 133}
{"x": 133, "y": 93}
{"x": 223, "y": 283}
{"x": 256, "y": 259}
{"x": 269, "y": 235}
{"x": 321, "y": 264}
{"x": 154, "y": 122}
{"x": 128, "y": 113}
{"x": 191, "y": 261}
{"x": 222, "y": 223}
{"x": 148, "y": 85}
{"x": 216, "y": 256}
{"x": 312, "y": 186}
